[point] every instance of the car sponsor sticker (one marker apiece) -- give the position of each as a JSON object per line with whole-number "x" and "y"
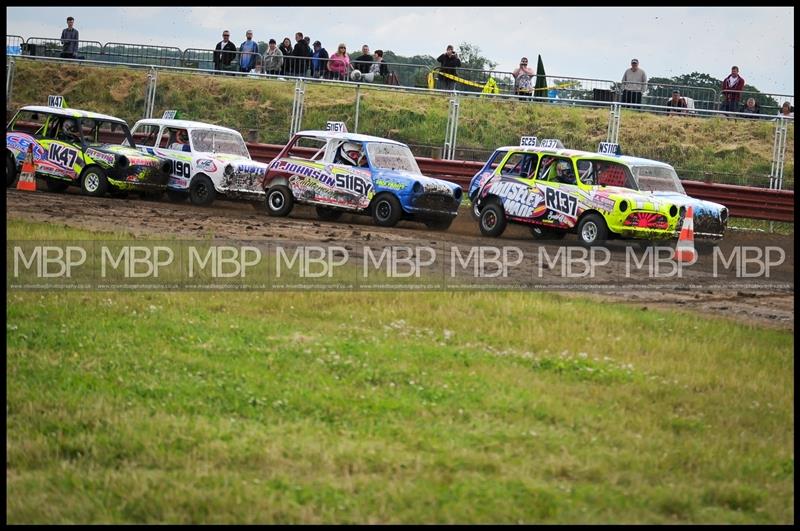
{"x": 108, "y": 158}
{"x": 392, "y": 185}
{"x": 518, "y": 199}
{"x": 206, "y": 165}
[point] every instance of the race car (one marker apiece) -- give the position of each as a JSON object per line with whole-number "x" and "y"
{"x": 340, "y": 172}
{"x": 75, "y": 147}
{"x": 597, "y": 195}
{"x": 207, "y": 160}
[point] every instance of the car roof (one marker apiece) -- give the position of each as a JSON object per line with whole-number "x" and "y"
{"x": 633, "y": 161}
{"x": 71, "y": 113}
{"x": 349, "y": 136}
{"x": 185, "y": 124}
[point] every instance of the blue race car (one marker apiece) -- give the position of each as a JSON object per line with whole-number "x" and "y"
{"x": 342, "y": 172}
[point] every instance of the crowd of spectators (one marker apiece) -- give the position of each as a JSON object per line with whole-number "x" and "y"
{"x": 313, "y": 60}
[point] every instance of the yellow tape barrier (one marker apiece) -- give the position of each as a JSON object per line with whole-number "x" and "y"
{"x": 490, "y": 87}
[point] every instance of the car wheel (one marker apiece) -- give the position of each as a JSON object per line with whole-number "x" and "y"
{"x": 543, "y": 233}
{"x": 592, "y": 230}
{"x": 328, "y": 214}
{"x": 11, "y": 171}
{"x": 201, "y": 191}
{"x": 56, "y": 185}
{"x": 177, "y": 196}
{"x": 493, "y": 219}
{"x": 439, "y": 224}
{"x": 386, "y": 211}
{"x": 474, "y": 210}
{"x": 94, "y": 182}
{"x": 279, "y": 201}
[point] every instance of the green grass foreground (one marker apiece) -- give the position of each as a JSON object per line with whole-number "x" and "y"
{"x": 389, "y": 407}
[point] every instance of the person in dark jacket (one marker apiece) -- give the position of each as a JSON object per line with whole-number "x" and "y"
{"x": 363, "y": 61}
{"x": 319, "y": 60}
{"x": 69, "y": 39}
{"x": 302, "y": 56}
{"x": 224, "y": 53}
{"x": 286, "y": 49}
{"x": 449, "y": 61}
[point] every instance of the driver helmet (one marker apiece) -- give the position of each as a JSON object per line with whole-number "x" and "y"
{"x": 182, "y": 136}
{"x": 563, "y": 171}
{"x": 352, "y": 154}
{"x": 70, "y": 128}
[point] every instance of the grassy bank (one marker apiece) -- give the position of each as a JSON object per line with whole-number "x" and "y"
{"x": 734, "y": 151}
{"x": 389, "y": 407}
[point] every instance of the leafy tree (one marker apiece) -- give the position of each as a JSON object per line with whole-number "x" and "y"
{"x": 470, "y": 55}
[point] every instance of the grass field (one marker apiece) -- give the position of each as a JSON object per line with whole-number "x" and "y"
{"x": 732, "y": 151}
{"x": 389, "y": 407}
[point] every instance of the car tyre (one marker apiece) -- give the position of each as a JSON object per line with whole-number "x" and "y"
{"x": 386, "y": 210}
{"x": 94, "y": 181}
{"x": 279, "y": 201}
{"x": 177, "y": 196}
{"x": 328, "y": 214}
{"x": 592, "y": 230}
{"x": 56, "y": 185}
{"x": 11, "y": 171}
{"x": 493, "y": 219}
{"x": 201, "y": 191}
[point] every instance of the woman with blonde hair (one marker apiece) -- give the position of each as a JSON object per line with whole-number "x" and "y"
{"x": 339, "y": 63}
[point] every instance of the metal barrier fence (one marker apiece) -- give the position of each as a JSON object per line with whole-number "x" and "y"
{"x": 705, "y": 98}
{"x": 143, "y": 54}
{"x": 14, "y": 44}
{"x": 46, "y": 47}
{"x": 766, "y": 107}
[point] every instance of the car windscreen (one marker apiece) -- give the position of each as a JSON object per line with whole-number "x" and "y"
{"x": 98, "y": 132}
{"x": 218, "y": 142}
{"x": 657, "y": 179}
{"x": 391, "y": 157}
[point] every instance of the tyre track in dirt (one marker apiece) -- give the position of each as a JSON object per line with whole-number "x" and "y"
{"x": 773, "y": 307}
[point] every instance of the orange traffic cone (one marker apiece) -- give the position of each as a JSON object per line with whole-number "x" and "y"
{"x": 684, "y": 250}
{"x": 27, "y": 178}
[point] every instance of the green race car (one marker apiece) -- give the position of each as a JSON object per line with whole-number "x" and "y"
{"x": 598, "y": 196}
{"x": 75, "y": 147}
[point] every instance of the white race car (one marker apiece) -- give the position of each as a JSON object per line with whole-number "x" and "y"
{"x": 206, "y": 160}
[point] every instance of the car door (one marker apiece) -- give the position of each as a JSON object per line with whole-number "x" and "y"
{"x": 560, "y": 191}
{"x": 351, "y": 175}
{"x": 63, "y": 155}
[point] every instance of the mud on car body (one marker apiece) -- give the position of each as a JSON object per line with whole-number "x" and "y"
{"x": 75, "y": 147}
{"x": 346, "y": 172}
{"x": 207, "y": 161}
{"x": 598, "y": 196}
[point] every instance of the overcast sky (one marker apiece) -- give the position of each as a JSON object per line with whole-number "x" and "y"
{"x": 573, "y": 41}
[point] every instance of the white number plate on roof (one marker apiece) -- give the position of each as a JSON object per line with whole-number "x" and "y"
{"x": 527, "y": 141}
{"x": 336, "y": 127}
{"x": 169, "y": 115}
{"x": 55, "y": 101}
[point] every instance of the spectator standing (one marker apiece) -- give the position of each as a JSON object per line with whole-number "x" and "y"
{"x": 379, "y": 68}
{"x": 751, "y": 107}
{"x": 634, "y": 83}
{"x": 249, "y": 49}
{"x": 449, "y": 61}
{"x": 677, "y": 103}
{"x": 364, "y": 61}
{"x": 339, "y": 64}
{"x": 273, "y": 58}
{"x": 732, "y": 87}
{"x": 286, "y": 50}
{"x": 69, "y": 40}
{"x": 302, "y": 55}
{"x": 523, "y": 79}
{"x": 786, "y": 110}
{"x": 224, "y": 53}
{"x": 318, "y": 60}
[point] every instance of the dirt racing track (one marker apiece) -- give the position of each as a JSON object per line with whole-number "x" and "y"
{"x": 770, "y": 304}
